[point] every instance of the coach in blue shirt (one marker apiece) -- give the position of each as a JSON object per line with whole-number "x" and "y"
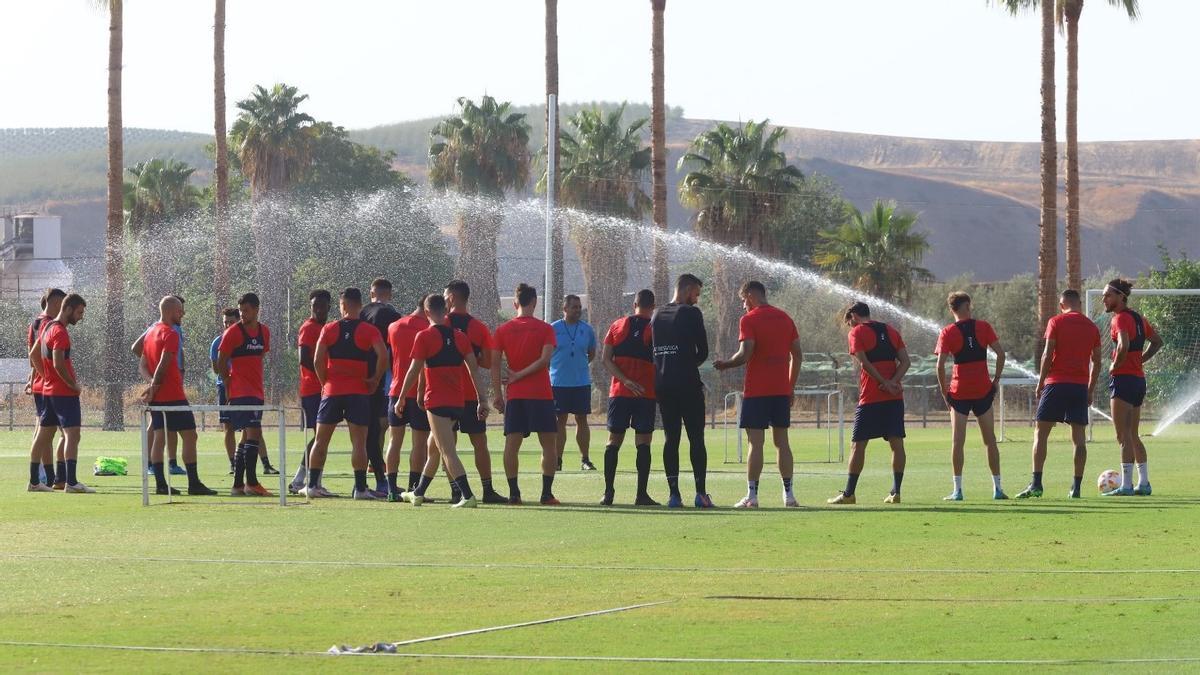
{"x": 570, "y": 378}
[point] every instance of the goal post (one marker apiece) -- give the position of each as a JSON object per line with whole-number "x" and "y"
{"x": 828, "y": 396}
{"x": 279, "y": 411}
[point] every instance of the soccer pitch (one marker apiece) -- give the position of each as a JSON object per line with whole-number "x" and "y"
{"x": 221, "y": 584}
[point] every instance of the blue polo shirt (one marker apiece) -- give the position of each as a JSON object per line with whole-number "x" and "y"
{"x": 569, "y": 363}
{"x": 214, "y": 352}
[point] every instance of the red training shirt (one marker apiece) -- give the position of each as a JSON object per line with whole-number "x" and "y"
{"x": 402, "y": 334}
{"x": 55, "y": 337}
{"x": 1123, "y": 323}
{"x": 481, "y": 342}
{"x": 443, "y": 384}
{"x": 245, "y": 359}
{"x": 521, "y": 341}
{"x": 1075, "y": 337}
{"x": 970, "y": 380}
{"x": 348, "y": 376}
{"x": 773, "y": 332}
{"x": 160, "y": 339}
{"x": 862, "y": 339}
{"x": 35, "y": 330}
{"x": 638, "y": 367}
{"x": 310, "y": 333}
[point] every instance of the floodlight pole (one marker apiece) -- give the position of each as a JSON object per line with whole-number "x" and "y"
{"x": 551, "y": 173}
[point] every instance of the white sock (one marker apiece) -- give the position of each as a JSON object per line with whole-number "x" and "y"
{"x": 996, "y": 482}
{"x": 1143, "y": 474}
{"x": 752, "y": 489}
{"x": 958, "y": 483}
{"x": 1126, "y": 475}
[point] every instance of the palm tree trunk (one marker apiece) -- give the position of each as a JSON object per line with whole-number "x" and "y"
{"x": 220, "y": 250}
{"x": 114, "y": 276}
{"x": 727, "y": 278}
{"x": 1048, "y": 241}
{"x": 1074, "y": 254}
{"x": 477, "y": 264}
{"x": 658, "y": 151}
{"x": 555, "y": 285}
{"x": 602, "y": 255}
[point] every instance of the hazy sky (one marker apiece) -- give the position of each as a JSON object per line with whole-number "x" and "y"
{"x": 926, "y": 68}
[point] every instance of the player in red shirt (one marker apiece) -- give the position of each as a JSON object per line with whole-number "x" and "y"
{"x": 527, "y": 343}
{"x": 971, "y": 389}
{"x": 319, "y": 302}
{"x": 55, "y": 475}
{"x": 350, "y": 361}
{"x": 769, "y": 347}
{"x": 457, "y": 295}
{"x": 60, "y": 396}
{"x": 243, "y": 346}
{"x": 1130, "y": 332}
{"x": 628, "y": 353}
{"x": 438, "y": 355}
{"x": 160, "y": 350}
{"x": 401, "y": 336}
{"x": 1065, "y": 386}
{"x": 883, "y": 361}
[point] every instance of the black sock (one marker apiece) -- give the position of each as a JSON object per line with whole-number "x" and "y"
{"x": 455, "y": 493}
{"x": 851, "y": 484}
{"x": 174, "y": 463}
{"x": 673, "y": 484}
{"x": 71, "y": 464}
{"x": 487, "y": 485}
{"x": 251, "y": 463}
{"x": 897, "y": 479}
{"x": 60, "y": 470}
{"x": 547, "y": 487}
{"x": 699, "y": 458}
{"x": 464, "y": 487}
{"x": 1076, "y": 482}
{"x": 610, "y": 467}
{"x": 513, "y": 490}
{"x": 671, "y": 468}
{"x": 643, "y": 468}
{"x": 423, "y": 482}
{"x": 413, "y": 478}
{"x": 375, "y": 459}
{"x": 360, "y": 480}
{"x": 34, "y": 475}
{"x": 266, "y": 463}
{"x": 160, "y": 476}
{"x": 51, "y": 478}
{"x": 391, "y": 479}
{"x": 1037, "y": 479}
{"x": 239, "y": 466}
{"x": 193, "y": 474}
{"x": 787, "y": 484}
{"x": 314, "y": 477}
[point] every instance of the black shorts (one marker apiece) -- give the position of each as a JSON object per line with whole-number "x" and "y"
{"x": 1128, "y": 388}
{"x": 182, "y": 420}
{"x": 245, "y": 419}
{"x": 414, "y": 415}
{"x": 879, "y": 420}
{"x": 38, "y": 405}
{"x": 573, "y": 400}
{"x": 378, "y": 403}
{"x": 978, "y": 406}
{"x": 626, "y": 412}
{"x": 449, "y": 412}
{"x": 529, "y": 416}
{"x": 63, "y": 412}
{"x": 353, "y": 408}
{"x": 310, "y": 404}
{"x": 760, "y": 412}
{"x": 1063, "y": 402}
{"x": 468, "y": 419}
{"x": 222, "y": 399}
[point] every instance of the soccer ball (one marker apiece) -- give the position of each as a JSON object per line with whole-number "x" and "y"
{"x": 1109, "y": 480}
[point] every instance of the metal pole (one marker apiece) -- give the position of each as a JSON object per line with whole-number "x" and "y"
{"x": 11, "y": 403}
{"x": 1087, "y": 311}
{"x": 145, "y": 462}
{"x": 548, "y": 303}
{"x": 283, "y": 472}
{"x": 1001, "y": 413}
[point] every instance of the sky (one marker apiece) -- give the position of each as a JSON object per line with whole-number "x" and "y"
{"x": 957, "y": 69}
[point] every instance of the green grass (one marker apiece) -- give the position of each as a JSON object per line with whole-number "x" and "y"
{"x": 924, "y": 580}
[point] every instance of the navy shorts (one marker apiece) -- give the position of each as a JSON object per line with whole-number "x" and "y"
{"x": 414, "y": 416}
{"x": 468, "y": 419}
{"x": 353, "y": 408}
{"x": 61, "y": 411}
{"x": 1128, "y": 388}
{"x": 378, "y": 404}
{"x": 182, "y": 420}
{"x": 879, "y": 420}
{"x": 978, "y": 406}
{"x": 450, "y": 413}
{"x": 222, "y": 399}
{"x": 626, "y": 412}
{"x": 573, "y": 400}
{"x": 38, "y": 405}
{"x": 529, "y": 416}
{"x": 245, "y": 419}
{"x": 1063, "y": 402}
{"x": 760, "y": 412}
{"x": 310, "y": 405}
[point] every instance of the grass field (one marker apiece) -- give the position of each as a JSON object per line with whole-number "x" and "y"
{"x": 252, "y": 586}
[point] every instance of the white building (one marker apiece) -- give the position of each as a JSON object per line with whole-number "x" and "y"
{"x": 31, "y": 257}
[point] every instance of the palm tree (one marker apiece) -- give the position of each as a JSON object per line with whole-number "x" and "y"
{"x": 483, "y": 151}
{"x": 555, "y": 285}
{"x": 603, "y": 166}
{"x": 274, "y": 147}
{"x": 658, "y": 144}
{"x": 877, "y": 254}
{"x": 159, "y": 191}
{"x": 739, "y": 182}
{"x": 1067, "y": 13}
{"x": 220, "y": 251}
{"x": 114, "y": 259}
{"x": 1048, "y": 225}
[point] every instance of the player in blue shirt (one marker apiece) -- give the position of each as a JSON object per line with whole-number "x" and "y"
{"x": 571, "y": 379}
